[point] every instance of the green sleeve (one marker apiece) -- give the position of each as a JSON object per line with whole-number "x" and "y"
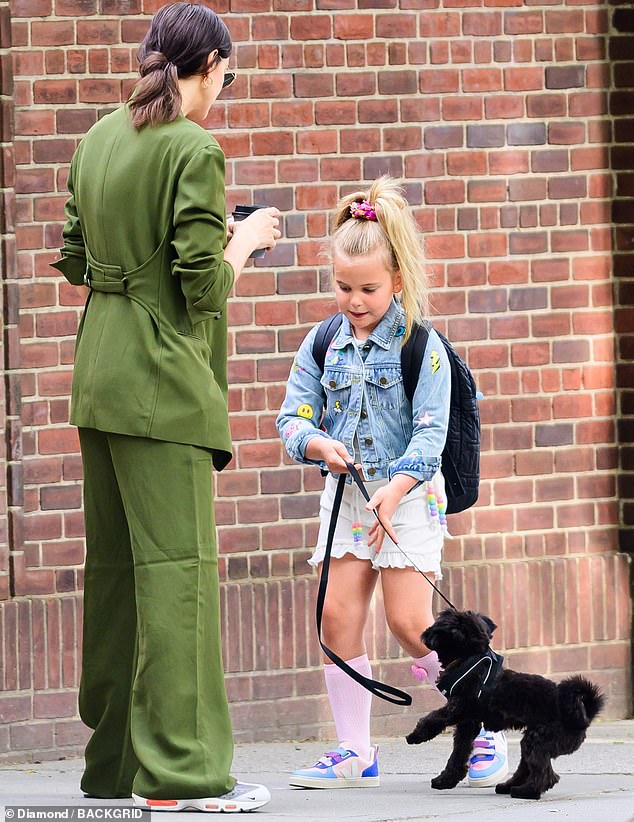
{"x": 200, "y": 234}
{"x": 73, "y": 262}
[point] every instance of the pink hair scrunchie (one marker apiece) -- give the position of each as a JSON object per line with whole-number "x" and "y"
{"x": 363, "y": 210}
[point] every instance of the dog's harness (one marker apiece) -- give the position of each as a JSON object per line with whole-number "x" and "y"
{"x": 449, "y": 683}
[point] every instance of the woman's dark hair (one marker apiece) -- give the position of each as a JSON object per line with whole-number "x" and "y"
{"x": 178, "y": 43}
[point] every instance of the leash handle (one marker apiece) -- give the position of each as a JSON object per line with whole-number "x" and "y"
{"x": 380, "y": 689}
{"x": 357, "y": 478}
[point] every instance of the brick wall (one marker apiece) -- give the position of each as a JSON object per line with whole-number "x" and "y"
{"x": 511, "y": 124}
{"x": 622, "y": 162}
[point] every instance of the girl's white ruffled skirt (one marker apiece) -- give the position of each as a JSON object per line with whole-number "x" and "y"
{"x": 419, "y": 525}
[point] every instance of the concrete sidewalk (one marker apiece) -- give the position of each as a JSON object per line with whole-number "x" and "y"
{"x": 597, "y": 785}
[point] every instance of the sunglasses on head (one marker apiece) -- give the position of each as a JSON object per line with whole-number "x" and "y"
{"x": 228, "y": 79}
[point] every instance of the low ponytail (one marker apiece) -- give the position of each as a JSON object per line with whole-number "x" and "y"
{"x": 178, "y": 44}
{"x": 156, "y": 97}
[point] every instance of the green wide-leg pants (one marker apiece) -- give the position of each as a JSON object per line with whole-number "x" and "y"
{"x": 152, "y": 684}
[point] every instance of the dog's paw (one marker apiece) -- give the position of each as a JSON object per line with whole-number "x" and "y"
{"x": 524, "y": 792}
{"x": 442, "y": 782}
{"x": 503, "y": 787}
{"x": 423, "y": 732}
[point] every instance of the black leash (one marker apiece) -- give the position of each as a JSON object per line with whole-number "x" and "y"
{"x": 380, "y": 689}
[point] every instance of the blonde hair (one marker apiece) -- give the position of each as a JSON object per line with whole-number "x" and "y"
{"x": 396, "y": 232}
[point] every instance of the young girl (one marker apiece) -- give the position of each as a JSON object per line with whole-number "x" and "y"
{"x": 357, "y": 411}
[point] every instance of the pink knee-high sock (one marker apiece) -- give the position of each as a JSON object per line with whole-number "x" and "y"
{"x": 350, "y": 704}
{"x": 427, "y": 668}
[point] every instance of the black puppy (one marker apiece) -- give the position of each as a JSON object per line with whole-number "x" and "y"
{"x": 478, "y": 690}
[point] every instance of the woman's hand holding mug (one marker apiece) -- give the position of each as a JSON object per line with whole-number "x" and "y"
{"x": 255, "y": 228}
{"x": 263, "y": 226}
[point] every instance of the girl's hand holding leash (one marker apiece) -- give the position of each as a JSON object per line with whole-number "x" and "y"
{"x": 385, "y": 501}
{"x": 332, "y": 452}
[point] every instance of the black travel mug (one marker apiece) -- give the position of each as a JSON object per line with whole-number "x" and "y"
{"x": 240, "y": 212}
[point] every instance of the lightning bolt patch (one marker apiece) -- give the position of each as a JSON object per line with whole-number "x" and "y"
{"x": 435, "y": 361}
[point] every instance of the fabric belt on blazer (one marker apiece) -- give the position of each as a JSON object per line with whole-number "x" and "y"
{"x": 110, "y": 279}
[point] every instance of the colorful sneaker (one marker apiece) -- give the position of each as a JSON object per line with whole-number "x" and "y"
{"x": 488, "y": 763}
{"x": 243, "y": 797}
{"x": 341, "y": 768}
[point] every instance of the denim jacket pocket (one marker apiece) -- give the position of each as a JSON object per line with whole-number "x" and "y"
{"x": 337, "y": 385}
{"x": 385, "y": 387}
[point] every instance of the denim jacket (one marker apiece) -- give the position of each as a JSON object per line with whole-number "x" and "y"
{"x": 367, "y": 399}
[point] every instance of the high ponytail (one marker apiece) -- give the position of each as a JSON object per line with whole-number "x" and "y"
{"x": 395, "y": 232}
{"x": 178, "y": 43}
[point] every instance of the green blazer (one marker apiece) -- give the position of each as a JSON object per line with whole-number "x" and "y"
{"x": 145, "y": 230}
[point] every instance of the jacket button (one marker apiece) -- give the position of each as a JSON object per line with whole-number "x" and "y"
{"x": 383, "y": 381}
{"x": 371, "y": 471}
{"x": 332, "y": 384}
{"x": 368, "y": 440}
{"x": 364, "y": 415}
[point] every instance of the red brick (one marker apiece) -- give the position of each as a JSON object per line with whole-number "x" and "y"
{"x": 340, "y": 169}
{"x": 354, "y": 27}
{"x": 534, "y": 518}
{"x": 564, "y": 22}
{"x": 270, "y": 87}
{"x": 315, "y": 197}
{"x": 487, "y": 245}
{"x": 311, "y": 27}
{"x": 437, "y": 24}
{"x": 54, "y": 705}
{"x": 250, "y": 115}
{"x": 462, "y": 108}
{"x": 494, "y": 522}
{"x": 260, "y": 454}
{"x": 442, "y": 192}
{"x": 523, "y": 22}
{"x": 34, "y": 736}
{"x": 258, "y": 510}
{"x": 486, "y": 191}
{"x": 490, "y": 356}
{"x": 58, "y": 441}
{"x": 100, "y": 32}
{"x": 99, "y": 91}
{"x": 52, "y": 33}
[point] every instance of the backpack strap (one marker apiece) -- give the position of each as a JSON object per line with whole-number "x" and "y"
{"x": 326, "y": 331}
{"x": 412, "y": 355}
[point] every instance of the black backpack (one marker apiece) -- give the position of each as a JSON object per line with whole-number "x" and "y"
{"x": 461, "y": 454}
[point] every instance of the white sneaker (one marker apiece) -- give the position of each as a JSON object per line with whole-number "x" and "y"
{"x": 243, "y": 797}
{"x": 488, "y": 763}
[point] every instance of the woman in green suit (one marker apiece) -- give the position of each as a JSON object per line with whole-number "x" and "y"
{"x": 146, "y": 232}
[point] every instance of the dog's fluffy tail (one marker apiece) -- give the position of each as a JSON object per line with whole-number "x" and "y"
{"x": 579, "y": 702}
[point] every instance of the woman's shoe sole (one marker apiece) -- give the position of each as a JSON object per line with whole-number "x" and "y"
{"x": 212, "y": 804}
